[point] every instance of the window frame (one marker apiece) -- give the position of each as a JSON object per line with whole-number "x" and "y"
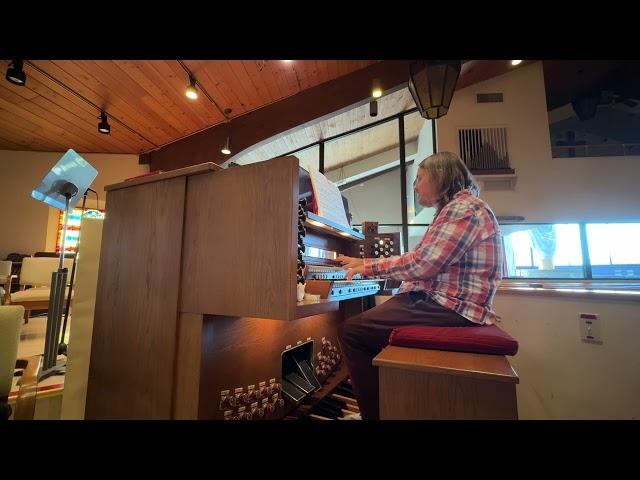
{"x": 586, "y": 259}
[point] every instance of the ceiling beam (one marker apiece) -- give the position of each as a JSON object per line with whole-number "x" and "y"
{"x": 254, "y": 127}
{"x": 297, "y": 110}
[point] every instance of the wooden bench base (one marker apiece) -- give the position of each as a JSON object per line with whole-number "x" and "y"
{"x": 420, "y": 384}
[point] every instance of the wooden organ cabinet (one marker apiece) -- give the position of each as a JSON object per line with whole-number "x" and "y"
{"x": 196, "y": 313}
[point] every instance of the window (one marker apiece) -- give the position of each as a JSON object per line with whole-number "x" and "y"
{"x": 555, "y": 250}
{"x": 543, "y": 251}
{"x": 73, "y": 228}
{"x": 613, "y": 249}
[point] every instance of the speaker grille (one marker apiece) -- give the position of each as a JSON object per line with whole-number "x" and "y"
{"x": 489, "y": 97}
{"x": 484, "y": 149}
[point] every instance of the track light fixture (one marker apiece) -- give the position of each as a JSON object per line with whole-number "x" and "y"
{"x": 226, "y": 150}
{"x": 191, "y": 91}
{"x": 15, "y": 74}
{"x": 103, "y": 126}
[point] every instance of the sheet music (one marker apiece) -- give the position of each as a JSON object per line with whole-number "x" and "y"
{"x": 328, "y": 199}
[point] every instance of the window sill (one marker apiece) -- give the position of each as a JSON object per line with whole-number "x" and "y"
{"x": 613, "y": 290}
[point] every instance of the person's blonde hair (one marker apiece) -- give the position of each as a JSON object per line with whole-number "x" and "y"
{"x": 449, "y": 175}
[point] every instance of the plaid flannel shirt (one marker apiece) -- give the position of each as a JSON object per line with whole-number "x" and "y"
{"x": 458, "y": 263}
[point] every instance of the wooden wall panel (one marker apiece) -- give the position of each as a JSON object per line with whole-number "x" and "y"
{"x": 411, "y": 395}
{"x": 187, "y": 374}
{"x": 234, "y": 217}
{"x": 237, "y": 352}
{"x": 134, "y": 341}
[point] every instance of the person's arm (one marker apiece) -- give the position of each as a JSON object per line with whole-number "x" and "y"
{"x": 444, "y": 244}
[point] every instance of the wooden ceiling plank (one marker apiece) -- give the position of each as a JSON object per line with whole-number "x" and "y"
{"x": 116, "y": 87}
{"x": 9, "y": 145}
{"x": 343, "y": 68}
{"x": 52, "y": 95}
{"x": 198, "y": 114}
{"x": 66, "y": 72}
{"x": 120, "y": 137}
{"x": 45, "y": 123}
{"x": 56, "y": 115}
{"x": 303, "y": 70}
{"x": 290, "y": 76}
{"x": 213, "y": 75}
{"x": 261, "y": 80}
{"x": 243, "y": 83}
{"x": 333, "y": 68}
{"x": 156, "y": 96}
{"x": 22, "y": 130}
{"x": 323, "y": 71}
{"x": 275, "y": 76}
{"x": 44, "y": 130}
{"x": 277, "y": 70}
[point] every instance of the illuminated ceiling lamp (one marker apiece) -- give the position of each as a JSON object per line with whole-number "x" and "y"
{"x": 376, "y": 89}
{"x": 431, "y": 83}
{"x": 15, "y": 74}
{"x": 516, "y": 62}
{"x": 103, "y": 126}
{"x": 226, "y": 149}
{"x": 191, "y": 91}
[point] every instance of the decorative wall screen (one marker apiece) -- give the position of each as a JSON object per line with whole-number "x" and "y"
{"x": 484, "y": 150}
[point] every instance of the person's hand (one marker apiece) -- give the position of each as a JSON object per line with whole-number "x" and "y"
{"x": 354, "y": 265}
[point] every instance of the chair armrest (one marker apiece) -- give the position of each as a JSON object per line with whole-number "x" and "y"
{"x": 26, "y": 402}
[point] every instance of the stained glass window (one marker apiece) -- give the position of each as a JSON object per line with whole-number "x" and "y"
{"x": 73, "y": 228}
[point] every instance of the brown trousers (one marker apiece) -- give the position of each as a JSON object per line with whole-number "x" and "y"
{"x": 363, "y": 336}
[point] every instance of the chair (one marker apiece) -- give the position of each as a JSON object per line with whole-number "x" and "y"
{"x": 36, "y": 271}
{"x": 5, "y": 279}
{"x": 10, "y": 324}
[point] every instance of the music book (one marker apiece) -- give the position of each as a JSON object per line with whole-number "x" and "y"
{"x": 328, "y": 199}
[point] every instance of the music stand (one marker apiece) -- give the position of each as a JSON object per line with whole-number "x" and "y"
{"x": 59, "y": 188}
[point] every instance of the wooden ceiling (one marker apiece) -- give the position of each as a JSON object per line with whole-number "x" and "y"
{"x": 60, "y": 104}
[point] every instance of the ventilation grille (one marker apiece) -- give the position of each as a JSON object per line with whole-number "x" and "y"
{"x": 484, "y": 149}
{"x": 489, "y": 97}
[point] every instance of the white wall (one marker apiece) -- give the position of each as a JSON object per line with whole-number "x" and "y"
{"x": 560, "y": 377}
{"x": 24, "y": 220}
{"x": 548, "y": 189}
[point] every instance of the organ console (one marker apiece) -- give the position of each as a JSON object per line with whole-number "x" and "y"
{"x": 196, "y": 312}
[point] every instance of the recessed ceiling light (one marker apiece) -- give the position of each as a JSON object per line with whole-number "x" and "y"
{"x": 516, "y": 62}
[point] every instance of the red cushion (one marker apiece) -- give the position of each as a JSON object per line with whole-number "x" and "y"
{"x": 480, "y": 339}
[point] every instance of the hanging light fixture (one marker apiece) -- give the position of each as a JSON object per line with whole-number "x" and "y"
{"x": 373, "y": 108}
{"x": 376, "y": 88}
{"x": 191, "y": 91}
{"x": 226, "y": 150}
{"x": 103, "y": 126}
{"x": 15, "y": 74}
{"x": 431, "y": 83}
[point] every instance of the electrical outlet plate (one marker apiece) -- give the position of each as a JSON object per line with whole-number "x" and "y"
{"x": 590, "y": 327}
